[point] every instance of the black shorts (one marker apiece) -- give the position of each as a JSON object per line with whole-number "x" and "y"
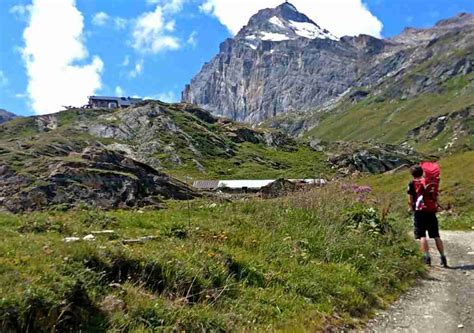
{"x": 423, "y": 222}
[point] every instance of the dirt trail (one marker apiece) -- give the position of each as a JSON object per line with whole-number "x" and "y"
{"x": 442, "y": 302}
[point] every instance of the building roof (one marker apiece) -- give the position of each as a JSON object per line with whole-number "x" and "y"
{"x": 206, "y": 184}
{"x": 123, "y": 101}
{"x": 250, "y": 184}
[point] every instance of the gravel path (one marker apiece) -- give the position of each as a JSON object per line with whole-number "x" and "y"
{"x": 444, "y": 301}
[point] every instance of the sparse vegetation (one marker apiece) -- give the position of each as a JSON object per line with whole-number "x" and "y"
{"x": 308, "y": 261}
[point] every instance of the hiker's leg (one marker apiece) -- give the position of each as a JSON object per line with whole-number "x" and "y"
{"x": 442, "y": 257}
{"x": 419, "y": 224}
{"x": 439, "y": 246}
{"x": 424, "y": 245}
{"x": 425, "y": 249}
{"x": 433, "y": 232}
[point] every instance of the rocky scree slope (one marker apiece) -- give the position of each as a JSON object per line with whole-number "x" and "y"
{"x": 282, "y": 62}
{"x": 117, "y": 158}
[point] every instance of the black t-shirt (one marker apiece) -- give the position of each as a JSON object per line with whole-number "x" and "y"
{"x": 411, "y": 191}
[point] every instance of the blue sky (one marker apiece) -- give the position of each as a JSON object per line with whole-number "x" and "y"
{"x": 152, "y": 48}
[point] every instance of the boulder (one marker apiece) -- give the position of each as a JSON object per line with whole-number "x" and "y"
{"x": 278, "y": 188}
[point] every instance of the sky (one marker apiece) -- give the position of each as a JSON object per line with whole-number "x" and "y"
{"x": 56, "y": 53}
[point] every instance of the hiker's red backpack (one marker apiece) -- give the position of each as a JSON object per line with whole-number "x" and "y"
{"x": 427, "y": 188}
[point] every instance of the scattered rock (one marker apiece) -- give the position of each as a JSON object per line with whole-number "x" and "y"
{"x": 89, "y": 238}
{"x": 112, "y": 304}
{"x": 103, "y": 232}
{"x": 71, "y": 239}
{"x": 139, "y": 240}
{"x": 115, "y": 285}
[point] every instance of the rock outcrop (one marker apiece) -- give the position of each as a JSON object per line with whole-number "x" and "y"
{"x": 179, "y": 133}
{"x": 348, "y": 158}
{"x": 95, "y": 177}
{"x": 282, "y": 62}
{"x": 121, "y": 158}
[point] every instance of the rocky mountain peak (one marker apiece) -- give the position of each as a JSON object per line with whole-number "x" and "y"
{"x": 281, "y": 23}
{"x": 283, "y": 62}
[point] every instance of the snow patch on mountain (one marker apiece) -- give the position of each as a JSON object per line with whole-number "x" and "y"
{"x": 274, "y": 37}
{"x": 276, "y": 21}
{"x": 310, "y": 30}
{"x": 252, "y": 46}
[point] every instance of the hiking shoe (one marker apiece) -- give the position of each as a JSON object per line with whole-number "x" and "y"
{"x": 444, "y": 261}
{"x": 427, "y": 260}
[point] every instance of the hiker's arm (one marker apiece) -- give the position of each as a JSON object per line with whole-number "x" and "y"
{"x": 410, "y": 202}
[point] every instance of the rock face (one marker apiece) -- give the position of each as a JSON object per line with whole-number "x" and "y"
{"x": 6, "y": 116}
{"x": 282, "y": 62}
{"x": 96, "y": 177}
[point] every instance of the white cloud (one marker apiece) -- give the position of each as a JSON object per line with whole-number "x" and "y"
{"x": 152, "y": 32}
{"x": 120, "y": 23}
{"x": 126, "y": 61}
{"x": 119, "y": 91}
{"x": 20, "y": 11}
{"x": 169, "y": 6}
{"x": 192, "y": 39}
{"x": 137, "y": 70}
{"x": 3, "y": 79}
{"x": 53, "y": 44}
{"x": 100, "y": 19}
{"x": 21, "y": 95}
{"x": 341, "y": 17}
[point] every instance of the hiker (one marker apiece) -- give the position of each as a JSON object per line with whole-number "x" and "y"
{"x": 423, "y": 202}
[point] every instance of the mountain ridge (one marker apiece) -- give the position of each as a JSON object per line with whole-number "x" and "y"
{"x": 253, "y": 80}
{"x": 6, "y": 116}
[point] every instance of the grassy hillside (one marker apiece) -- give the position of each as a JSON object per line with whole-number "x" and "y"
{"x": 306, "y": 262}
{"x": 180, "y": 140}
{"x": 392, "y": 120}
{"x": 457, "y": 190}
